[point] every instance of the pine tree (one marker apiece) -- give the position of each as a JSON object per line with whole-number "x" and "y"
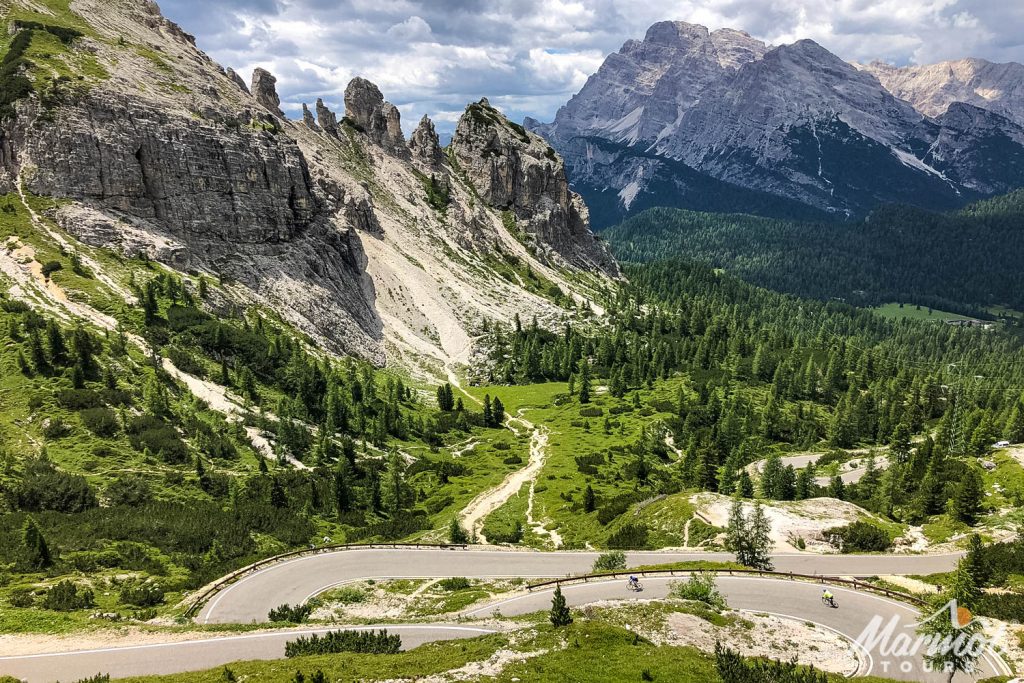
{"x": 342, "y": 493}
{"x": 745, "y": 486}
{"x": 589, "y": 499}
{"x": 837, "y": 488}
{"x": 967, "y": 500}
{"x": 1015, "y": 424}
{"x": 559, "y": 615}
{"x": 37, "y": 552}
{"x": 760, "y": 542}
{"x": 456, "y": 534}
{"x": 584, "y": 381}
{"x": 488, "y": 417}
{"x": 771, "y": 477}
{"x": 497, "y": 412}
{"x": 977, "y": 563}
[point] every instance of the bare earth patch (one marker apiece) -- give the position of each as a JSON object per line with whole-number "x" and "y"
{"x": 769, "y": 636}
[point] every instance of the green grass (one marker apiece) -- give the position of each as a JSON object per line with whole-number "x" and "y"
{"x": 895, "y": 311}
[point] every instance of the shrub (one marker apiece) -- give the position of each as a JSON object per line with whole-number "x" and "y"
{"x": 91, "y": 560}
{"x": 612, "y": 561}
{"x": 734, "y": 668}
{"x": 21, "y": 597}
{"x": 348, "y": 595}
{"x": 513, "y": 460}
{"x": 859, "y": 536}
{"x": 294, "y": 615}
{"x": 51, "y": 267}
{"x": 100, "y": 421}
{"x": 65, "y": 597}
{"x": 629, "y": 536}
{"x": 55, "y": 428}
{"x": 455, "y": 583}
{"x": 617, "y": 505}
{"x": 591, "y": 411}
{"x": 142, "y": 594}
{"x": 151, "y": 433}
{"x": 130, "y": 489}
{"x": 78, "y": 399}
{"x": 44, "y": 487}
{"x": 699, "y": 587}
{"x": 366, "y": 642}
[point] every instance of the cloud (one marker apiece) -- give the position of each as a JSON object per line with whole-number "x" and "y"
{"x": 530, "y": 56}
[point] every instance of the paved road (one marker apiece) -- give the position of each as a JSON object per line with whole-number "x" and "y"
{"x": 297, "y": 580}
{"x": 194, "y": 655}
{"x": 850, "y": 471}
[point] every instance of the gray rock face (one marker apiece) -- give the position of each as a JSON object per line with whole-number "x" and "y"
{"x": 425, "y": 145}
{"x": 195, "y": 180}
{"x": 514, "y": 170}
{"x": 379, "y": 120}
{"x": 933, "y": 88}
{"x": 264, "y": 89}
{"x": 698, "y": 119}
{"x": 233, "y": 75}
{"x": 307, "y": 118}
{"x": 326, "y": 118}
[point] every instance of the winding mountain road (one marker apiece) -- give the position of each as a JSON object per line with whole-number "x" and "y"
{"x": 294, "y": 581}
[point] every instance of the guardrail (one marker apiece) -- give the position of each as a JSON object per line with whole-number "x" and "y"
{"x": 214, "y": 588}
{"x": 816, "y": 578}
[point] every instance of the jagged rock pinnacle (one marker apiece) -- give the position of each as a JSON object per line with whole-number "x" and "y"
{"x": 264, "y": 89}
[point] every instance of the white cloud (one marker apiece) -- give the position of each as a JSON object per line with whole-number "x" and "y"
{"x": 530, "y": 56}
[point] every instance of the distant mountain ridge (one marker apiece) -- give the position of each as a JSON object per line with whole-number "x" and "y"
{"x": 794, "y": 122}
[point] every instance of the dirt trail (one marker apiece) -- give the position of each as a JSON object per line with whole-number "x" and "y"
{"x": 489, "y": 501}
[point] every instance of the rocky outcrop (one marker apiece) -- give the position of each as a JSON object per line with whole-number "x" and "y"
{"x": 425, "y": 145}
{"x": 517, "y": 171}
{"x": 379, "y": 120}
{"x": 326, "y": 118}
{"x": 237, "y": 80}
{"x": 264, "y": 89}
{"x": 307, "y": 118}
{"x": 195, "y": 179}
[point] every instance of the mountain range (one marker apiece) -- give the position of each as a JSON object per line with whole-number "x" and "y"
{"x": 717, "y": 120}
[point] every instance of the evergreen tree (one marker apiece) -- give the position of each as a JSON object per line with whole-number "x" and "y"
{"x": 760, "y": 543}
{"x": 967, "y": 500}
{"x": 771, "y": 477}
{"x": 342, "y": 492}
{"x": 584, "y": 381}
{"x": 837, "y": 488}
{"x": 589, "y": 499}
{"x": 497, "y": 412}
{"x": 745, "y": 486}
{"x": 37, "y": 552}
{"x": 488, "y": 417}
{"x": 976, "y": 563}
{"x": 559, "y": 615}
{"x": 456, "y": 534}
{"x": 278, "y": 498}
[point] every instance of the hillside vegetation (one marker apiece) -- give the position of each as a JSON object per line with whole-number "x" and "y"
{"x": 962, "y": 262}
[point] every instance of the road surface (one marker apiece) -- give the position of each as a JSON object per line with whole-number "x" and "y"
{"x": 297, "y": 580}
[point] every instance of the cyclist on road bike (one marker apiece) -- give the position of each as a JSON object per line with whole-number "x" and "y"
{"x": 826, "y": 596}
{"x": 634, "y": 583}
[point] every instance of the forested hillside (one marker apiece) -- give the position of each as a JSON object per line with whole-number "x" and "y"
{"x": 754, "y": 372}
{"x": 962, "y": 261}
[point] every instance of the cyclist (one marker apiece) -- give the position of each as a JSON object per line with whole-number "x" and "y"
{"x": 827, "y": 597}
{"x": 633, "y": 584}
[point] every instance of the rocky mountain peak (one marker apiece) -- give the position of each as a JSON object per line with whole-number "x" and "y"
{"x": 932, "y": 88}
{"x": 425, "y": 145}
{"x": 326, "y": 118}
{"x": 379, "y": 120}
{"x": 517, "y": 171}
{"x": 264, "y": 89}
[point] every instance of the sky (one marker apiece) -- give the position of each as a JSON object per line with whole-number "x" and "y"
{"x": 530, "y": 56}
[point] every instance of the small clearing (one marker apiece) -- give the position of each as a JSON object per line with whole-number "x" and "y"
{"x": 761, "y": 635}
{"x": 805, "y": 519}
